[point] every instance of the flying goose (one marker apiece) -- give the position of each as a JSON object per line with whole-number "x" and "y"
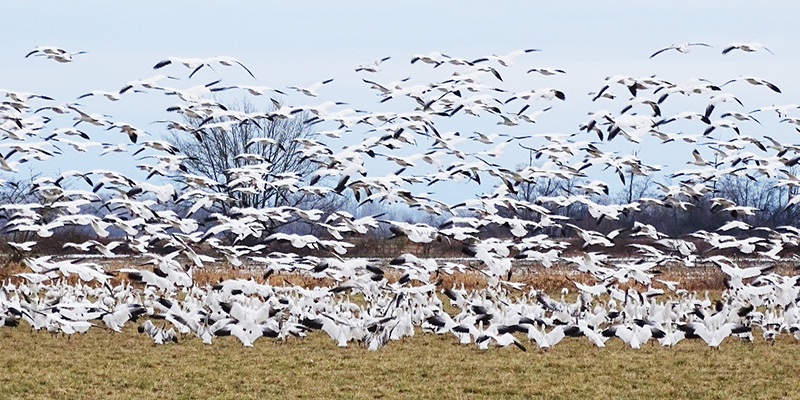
{"x": 197, "y": 63}
{"x": 682, "y": 48}
{"x": 373, "y": 66}
{"x": 311, "y": 90}
{"x": 747, "y": 47}
{"x": 54, "y": 53}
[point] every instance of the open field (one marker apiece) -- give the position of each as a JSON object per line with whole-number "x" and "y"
{"x": 127, "y": 366}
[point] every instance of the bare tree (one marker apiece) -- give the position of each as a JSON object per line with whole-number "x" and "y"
{"x": 14, "y": 191}
{"x": 635, "y": 189}
{"x": 268, "y": 143}
{"x": 532, "y": 189}
{"x": 770, "y": 199}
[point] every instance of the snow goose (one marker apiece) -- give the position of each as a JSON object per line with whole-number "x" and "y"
{"x": 311, "y": 90}
{"x": 629, "y": 334}
{"x": 123, "y": 313}
{"x": 547, "y": 71}
{"x": 197, "y": 63}
{"x": 754, "y": 81}
{"x": 712, "y": 337}
{"x": 159, "y": 335}
{"x": 434, "y": 58}
{"x": 54, "y": 53}
{"x": 373, "y": 66}
{"x": 747, "y": 47}
{"x": 682, "y": 48}
{"x": 508, "y": 59}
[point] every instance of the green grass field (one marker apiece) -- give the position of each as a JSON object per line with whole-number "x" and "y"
{"x": 100, "y": 365}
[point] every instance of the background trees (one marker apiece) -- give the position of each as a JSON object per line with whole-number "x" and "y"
{"x": 257, "y": 144}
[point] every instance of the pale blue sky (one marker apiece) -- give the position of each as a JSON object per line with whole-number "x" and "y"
{"x": 298, "y": 43}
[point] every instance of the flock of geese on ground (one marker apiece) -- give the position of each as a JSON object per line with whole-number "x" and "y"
{"x": 138, "y": 215}
{"x": 366, "y": 308}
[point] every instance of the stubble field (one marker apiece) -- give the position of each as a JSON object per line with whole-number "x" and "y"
{"x": 99, "y": 365}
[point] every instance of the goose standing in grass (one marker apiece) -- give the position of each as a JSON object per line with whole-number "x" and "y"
{"x": 634, "y": 335}
{"x": 712, "y": 336}
{"x": 159, "y": 335}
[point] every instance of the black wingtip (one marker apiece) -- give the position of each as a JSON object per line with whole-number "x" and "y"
{"x": 162, "y": 64}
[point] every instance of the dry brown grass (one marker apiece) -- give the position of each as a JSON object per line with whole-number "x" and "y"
{"x": 697, "y": 278}
{"x": 127, "y": 366}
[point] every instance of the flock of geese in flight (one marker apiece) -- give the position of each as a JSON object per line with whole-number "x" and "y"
{"x": 137, "y": 215}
